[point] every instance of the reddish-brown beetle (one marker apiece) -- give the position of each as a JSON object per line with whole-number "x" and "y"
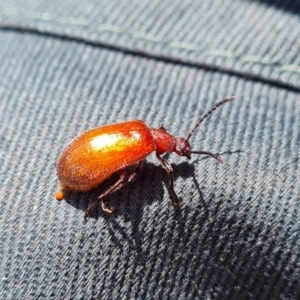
{"x": 100, "y": 152}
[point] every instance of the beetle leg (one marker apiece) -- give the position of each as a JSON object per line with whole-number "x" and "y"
{"x": 166, "y": 165}
{"x": 162, "y": 127}
{"x": 105, "y": 207}
{"x": 113, "y": 188}
{"x": 124, "y": 178}
{"x": 135, "y": 171}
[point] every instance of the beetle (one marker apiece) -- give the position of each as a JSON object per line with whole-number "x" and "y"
{"x": 96, "y": 154}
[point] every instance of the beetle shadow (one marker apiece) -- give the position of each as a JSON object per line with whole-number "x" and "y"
{"x": 143, "y": 191}
{"x": 131, "y": 199}
{"x": 138, "y": 196}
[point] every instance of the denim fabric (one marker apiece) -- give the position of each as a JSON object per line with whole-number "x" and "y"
{"x": 70, "y": 66}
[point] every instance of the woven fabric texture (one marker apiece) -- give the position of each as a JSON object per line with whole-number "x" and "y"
{"x": 69, "y": 66}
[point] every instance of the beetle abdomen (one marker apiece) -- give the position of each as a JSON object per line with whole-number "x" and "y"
{"x": 98, "y": 153}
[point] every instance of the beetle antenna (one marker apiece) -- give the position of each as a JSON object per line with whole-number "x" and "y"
{"x": 208, "y": 113}
{"x": 215, "y": 156}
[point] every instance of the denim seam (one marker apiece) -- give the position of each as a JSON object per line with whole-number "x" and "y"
{"x": 138, "y": 36}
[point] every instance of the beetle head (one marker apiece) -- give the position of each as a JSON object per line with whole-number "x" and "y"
{"x": 182, "y": 147}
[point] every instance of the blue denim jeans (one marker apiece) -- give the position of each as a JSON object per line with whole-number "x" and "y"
{"x": 70, "y": 66}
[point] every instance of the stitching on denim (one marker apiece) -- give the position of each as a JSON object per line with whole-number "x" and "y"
{"x": 81, "y": 22}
